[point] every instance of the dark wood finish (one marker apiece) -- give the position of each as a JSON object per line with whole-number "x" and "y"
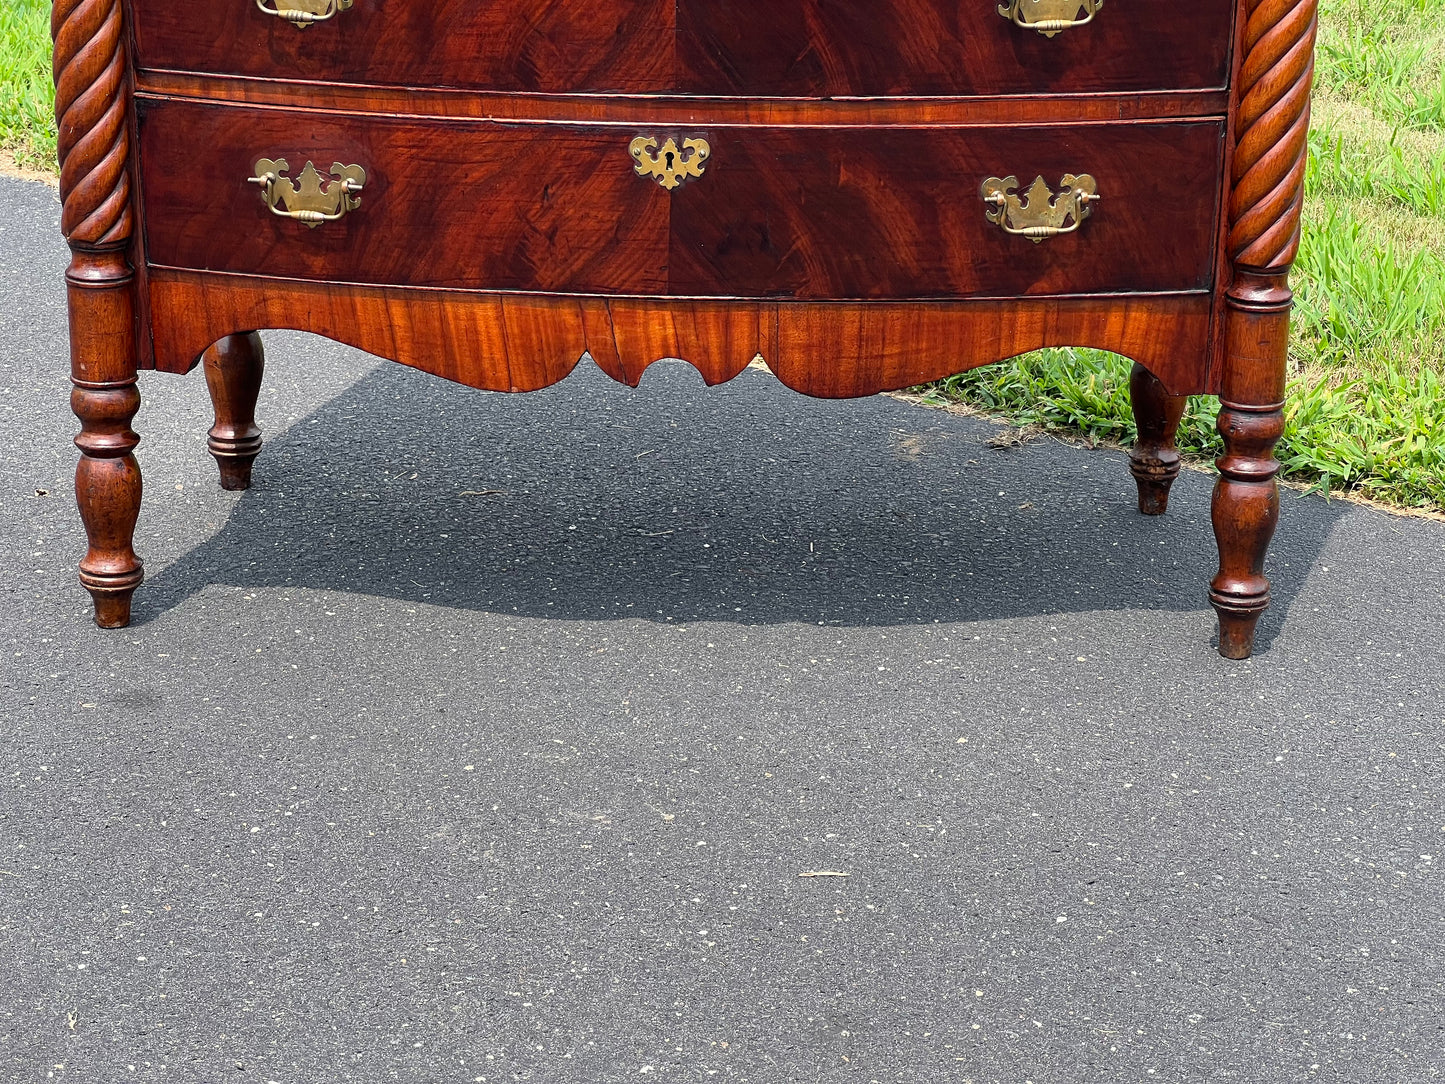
{"x": 896, "y": 213}
{"x": 1245, "y": 506}
{"x": 234, "y": 366}
{"x": 743, "y": 47}
{"x": 802, "y": 212}
{"x": 909, "y": 345}
{"x": 509, "y": 206}
{"x": 522, "y": 342}
{"x": 523, "y": 45}
{"x": 105, "y": 398}
{"x": 943, "y": 47}
{"x": 685, "y": 109}
{"x": 1154, "y": 459}
{"x": 837, "y": 231}
{"x": 1271, "y": 125}
{"x": 96, "y": 217}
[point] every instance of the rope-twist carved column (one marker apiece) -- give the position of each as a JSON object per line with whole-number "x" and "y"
{"x": 1272, "y": 94}
{"x": 91, "y": 92}
{"x": 90, "y": 105}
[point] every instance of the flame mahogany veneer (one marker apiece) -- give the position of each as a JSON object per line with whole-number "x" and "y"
{"x": 752, "y": 48}
{"x": 837, "y": 228}
{"x": 785, "y": 212}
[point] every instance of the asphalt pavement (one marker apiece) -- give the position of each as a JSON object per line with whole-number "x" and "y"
{"x": 491, "y": 738}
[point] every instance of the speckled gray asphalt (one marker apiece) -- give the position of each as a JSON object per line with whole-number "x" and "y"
{"x": 486, "y": 739}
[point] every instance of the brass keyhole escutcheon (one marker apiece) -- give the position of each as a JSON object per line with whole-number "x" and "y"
{"x": 669, "y": 165}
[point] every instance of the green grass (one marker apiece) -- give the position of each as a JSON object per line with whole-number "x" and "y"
{"x": 27, "y": 97}
{"x": 1378, "y": 434}
{"x": 1366, "y": 409}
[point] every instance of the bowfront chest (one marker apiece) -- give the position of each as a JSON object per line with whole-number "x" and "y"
{"x": 868, "y": 195}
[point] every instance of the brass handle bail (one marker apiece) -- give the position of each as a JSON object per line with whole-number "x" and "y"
{"x": 1038, "y": 213}
{"x": 1050, "y": 17}
{"x": 302, "y": 13}
{"x": 304, "y": 199}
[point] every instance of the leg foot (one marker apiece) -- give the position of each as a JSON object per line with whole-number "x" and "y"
{"x": 1245, "y": 510}
{"x": 105, "y": 398}
{"x": 1154, "y": 459}
{"x": 108, "y": 492}
{"x": 1236, "y": 634}
{"x": 112, "y": 608}
{"x": 234, "y": 368}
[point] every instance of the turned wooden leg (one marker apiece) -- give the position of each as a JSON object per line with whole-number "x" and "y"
{"x": 1246, "y": 497}
{"x": 1270, "y": 117}
{"x": 1154, "y": 460}
{"x": 105, "y": 399}
{"x": 93, "y": 145}
{"x": 233, "y": 374}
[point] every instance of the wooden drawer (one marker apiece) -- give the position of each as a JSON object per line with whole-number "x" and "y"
{"x": 896, "y": 212}
{"x": 800, "y": 212}
{"x": 806, "y": 48}
{"x": 946, "y": 47}
{"x": 514, "y": 45}
{"x": 445, "y": 204}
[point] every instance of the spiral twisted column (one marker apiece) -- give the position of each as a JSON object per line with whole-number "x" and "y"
{"x": 91, "y": 102}
{"x": 90, "y": 108}
{"x": 1272, "y": 119}
{"x": 1271, "y": 103}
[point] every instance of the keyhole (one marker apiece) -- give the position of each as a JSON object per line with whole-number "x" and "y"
{"x": 670, "y": 157}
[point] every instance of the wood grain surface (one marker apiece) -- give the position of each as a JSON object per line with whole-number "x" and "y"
{"x": 686, "y": 109}
{"x": 459, "y": 204}
{"x": 521, "y": 342}
{"x": 896, "y": 212}
{"x": 525, "y": 45}
{"x": 804, "y": 48}
{"x": 800, "y": 212}
{"x": 98, "y": 219}
{"x": 1271, "y": 121}
{"x": 926, "y": 47}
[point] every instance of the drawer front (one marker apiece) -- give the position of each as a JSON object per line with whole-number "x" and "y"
{"x": 897, "y": 212}
{"x": 948, "y": 47}
{"x": 801, "y": 48}
{"x": 795, "y": 212}
{"x": 510, "y": 45}
{"x": 444, "y": 204}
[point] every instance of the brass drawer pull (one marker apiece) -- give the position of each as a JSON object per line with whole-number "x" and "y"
{"x": 1038, "y": 213}
{"x": 1048, "y": 17}
{"x": 307, "y": 201}
{"x": 667, "y": 165}
{"x": 302, "y": 13}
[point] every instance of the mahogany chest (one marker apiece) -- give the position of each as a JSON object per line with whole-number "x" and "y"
{"x": 868, "y": 195}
